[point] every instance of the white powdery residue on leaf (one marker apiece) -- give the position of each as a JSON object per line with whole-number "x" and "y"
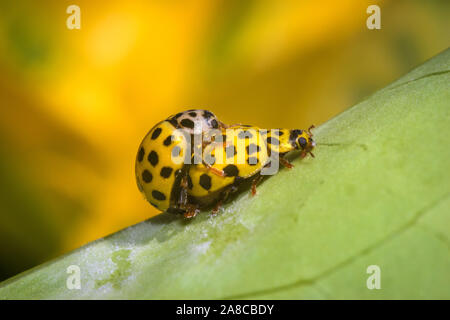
{"x": 234, "y": 207}
{"x": 212, "y": 221}
{"x": 104, "y": 289}
{"x": 247, "y": 223}
{"x": 202, "y": 248}
{"x": 95, "y": 267}
{"x": 135, "y": 253}
{"x": 137, "y": 239}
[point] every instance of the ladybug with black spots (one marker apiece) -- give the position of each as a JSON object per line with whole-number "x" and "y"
{"x": 163, "y": 157}
{"x": 247, "y": 152}
{"x": 171, "y": 181}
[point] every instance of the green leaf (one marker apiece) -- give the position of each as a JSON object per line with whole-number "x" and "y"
{"x": 377, "y": 193}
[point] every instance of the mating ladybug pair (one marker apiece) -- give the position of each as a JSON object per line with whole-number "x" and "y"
{"x": 192, "y": 161}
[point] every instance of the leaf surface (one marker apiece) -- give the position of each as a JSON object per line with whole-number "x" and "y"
{"x": 377, "y": 193}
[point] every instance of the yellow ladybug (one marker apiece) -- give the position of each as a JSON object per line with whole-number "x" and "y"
{"x": 245, "y": 153}
{"x": 163, "y": 158}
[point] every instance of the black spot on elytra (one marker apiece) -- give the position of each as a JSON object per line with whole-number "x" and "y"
{"x": 230, "y": 151}
{"x": 274, "y": 141}
{"x": 158, "y": 195}
{"x": 189, "y": 181}
{"x": 231, "y": 170}
{"x": 156, "y": 133}
{"x": 205, "y": 181}
{"x": 245, "y": 135}
{"x": 252, "y": 161}
{"x": 167, "y": 141}
{"x": 214, "y": 124}
{"x": 207, "y": 114}
{"x": 188, "y": 123}
{"x": 193, "y": 114}
{"x": 141, "y": 154}
{"x": 153, "y": 158}
{"x": 278, "y": 132}
{"x": 176, "y": 151}
{"x": 252, "y": 148}
{"x": 174, "y": 122}
{"x": 147, "y": 176}
{"x": 166, "y": 172}
{"x": 294, "y": 134}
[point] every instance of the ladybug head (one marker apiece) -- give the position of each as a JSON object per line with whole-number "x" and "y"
{"x": 302, "y": 140}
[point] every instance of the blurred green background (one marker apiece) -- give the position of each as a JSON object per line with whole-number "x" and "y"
{"x": 75, "y": 104}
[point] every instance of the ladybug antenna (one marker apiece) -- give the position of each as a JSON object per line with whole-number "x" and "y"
{"x": 309, "y": 130}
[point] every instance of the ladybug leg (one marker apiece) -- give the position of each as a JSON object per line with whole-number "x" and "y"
{"x": 206, "y": 143}
{"x": 217, "y": 207}
{"x": 309, "y": 130}
{"x": 254, "y": 184}
{"x": 224, "y": 197}
{"x": 216, "y": 171}
{"x": 191, "y": 211}
{"x": 183, "y": 198}
{"x": 286, "y": 163}
{"x": 305, "y": 153}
